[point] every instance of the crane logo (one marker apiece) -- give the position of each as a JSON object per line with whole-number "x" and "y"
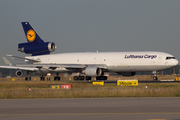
{"x": 31, "y": 35}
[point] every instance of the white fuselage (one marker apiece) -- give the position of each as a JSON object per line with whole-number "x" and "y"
{"x": 115, "y": 61}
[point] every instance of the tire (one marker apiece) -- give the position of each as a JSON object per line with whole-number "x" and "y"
{"x": 88, "y": 78}
{"x": 104, "y": 77}
{"x": 48, "y": 78}
{"x": 82, "y": 77}
{"x": 42, "y": 79}
{"x": 101, "y": 78}
{"x": 155, "y": 78}
{"x": 75, "y": 77}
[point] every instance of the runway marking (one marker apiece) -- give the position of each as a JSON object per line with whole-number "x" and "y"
{"x": 91, "y": 114}
{"x": 156, "y": 119}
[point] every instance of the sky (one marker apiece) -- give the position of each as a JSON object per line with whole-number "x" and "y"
{"x": 91, "y": 25}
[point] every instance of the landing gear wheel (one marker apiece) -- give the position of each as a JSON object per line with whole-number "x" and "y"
{"x": 27, "y": 78}
{"x": 101, "y": 78}
{"x": 42, "y": 79}
{"x": 75, "y": 78}
{"x": 88, "y": 78}
{"x": 81, "y": 77}
{"x": 155, "y": 78}
{"x": 57, "y": 78}
{"x": 78, "y": 78}
{"x": 48, "y": 78}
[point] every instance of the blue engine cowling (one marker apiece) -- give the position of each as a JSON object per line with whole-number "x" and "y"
{"x": 37, "y": 49}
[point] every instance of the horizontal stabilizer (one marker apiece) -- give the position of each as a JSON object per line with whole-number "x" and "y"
{"x": 23, "y": 58}
{"x": 7, "y": 61}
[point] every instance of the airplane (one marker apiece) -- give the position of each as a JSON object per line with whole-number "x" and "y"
{"x": 85, "y": 64}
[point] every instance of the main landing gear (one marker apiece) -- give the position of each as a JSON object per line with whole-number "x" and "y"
{"x": 82, "y": 77}
{"x": 101, "y": 78}
{"x": 57, "y": 77}
{"x": 42, "y": 78}
{"x": 28, "y": 78}
{"x": 89, "y": 78}
{"x": 78, "y": 77}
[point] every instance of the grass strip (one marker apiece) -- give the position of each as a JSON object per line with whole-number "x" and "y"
{"x": 20, "y": 90}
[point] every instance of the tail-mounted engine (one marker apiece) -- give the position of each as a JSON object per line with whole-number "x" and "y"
{"x": 37, "y": 49}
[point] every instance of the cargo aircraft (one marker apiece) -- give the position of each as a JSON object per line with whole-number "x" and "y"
{"x": 87, "y": 64}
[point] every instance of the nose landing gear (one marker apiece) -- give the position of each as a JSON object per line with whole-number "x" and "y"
{"x": 155, "y": 78}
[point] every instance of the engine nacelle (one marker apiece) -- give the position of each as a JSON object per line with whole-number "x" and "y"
{"x": 127, "y": 73}
{"x": 93, "y": 71}
{"x": 19, "y": 73}
{"x": 30, "y": 48}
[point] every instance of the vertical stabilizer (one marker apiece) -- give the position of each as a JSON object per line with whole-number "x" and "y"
{"x": 35, "y": 45}
{"x": 31, "y": 34}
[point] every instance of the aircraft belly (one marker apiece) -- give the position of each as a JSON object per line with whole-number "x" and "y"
{"x": 137, "y": 68}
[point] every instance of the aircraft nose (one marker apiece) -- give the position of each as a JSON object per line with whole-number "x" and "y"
{"x": 172, "y": 62}
{"x": 175, "y": 62}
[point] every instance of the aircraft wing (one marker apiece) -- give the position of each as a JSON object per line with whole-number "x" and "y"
{"x": 67, "y": 66}
{"x": 20, "y": 68}
{"x": 50, "y": 65}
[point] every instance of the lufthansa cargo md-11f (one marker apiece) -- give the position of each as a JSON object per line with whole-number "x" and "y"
{"x": 88, "y": 64}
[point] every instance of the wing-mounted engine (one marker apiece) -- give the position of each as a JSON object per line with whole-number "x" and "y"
{"x": 93, "y": 71}
{"x": 127, "y": 73}
{"x": 37, "y": 49}
{"x": 19, "y": 73}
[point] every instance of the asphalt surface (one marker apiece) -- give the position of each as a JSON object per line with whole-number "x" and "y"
{"x": 91, "y": 109}
{"x": 143, "y": 81}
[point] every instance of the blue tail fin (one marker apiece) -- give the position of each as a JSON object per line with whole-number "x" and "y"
{"x": 35, "y": 45}
{"x": 31, "y": 34}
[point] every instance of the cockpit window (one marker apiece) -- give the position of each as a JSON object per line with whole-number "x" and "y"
{"x": 168, "y": 58}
